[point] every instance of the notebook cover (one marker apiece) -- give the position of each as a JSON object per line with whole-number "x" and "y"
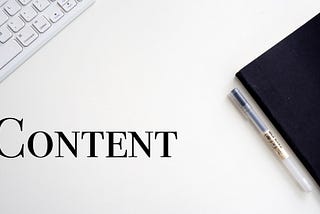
{"x": 285, "y": 82}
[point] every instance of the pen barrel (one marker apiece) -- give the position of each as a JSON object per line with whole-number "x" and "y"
{"x": 275, "y": 145}
{"x": 287, "y": 161}
{"x": 298, "y": 175}
{"x": 241, "y": 102}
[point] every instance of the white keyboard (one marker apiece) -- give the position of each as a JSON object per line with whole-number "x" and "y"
{"x": 26, "y": 25}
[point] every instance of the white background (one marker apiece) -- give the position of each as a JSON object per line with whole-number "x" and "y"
{"x": 152, "y": 65}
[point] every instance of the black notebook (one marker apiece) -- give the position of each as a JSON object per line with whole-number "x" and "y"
{"x": 285, "y": 82}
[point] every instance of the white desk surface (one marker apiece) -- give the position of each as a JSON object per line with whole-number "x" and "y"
{"x": 152, "y": 65}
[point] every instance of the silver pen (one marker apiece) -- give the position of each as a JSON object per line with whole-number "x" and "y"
{"x": 241, "y": 102}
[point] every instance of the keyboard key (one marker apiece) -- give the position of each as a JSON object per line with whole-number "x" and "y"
{"x": 69, "y": 5}
{"x": 55, "y": 14}
{"x": 2, "y": 2}
{"x": 28, "y": 13}
{"x": 24, "y": 2}
{"x": 8, "y": 51}
{"x": 3, "y": 18}
{"x": 5, "y": 34}
{"x": 26, "y": 36}
{"x": 26, "y": 25}
{"x": 41, "y": 4}
{"x": 41, "y": 24}
{"x": 15, "y": 24}
{"x": 12, "y": 7}
{"x": 62, "y": 2}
